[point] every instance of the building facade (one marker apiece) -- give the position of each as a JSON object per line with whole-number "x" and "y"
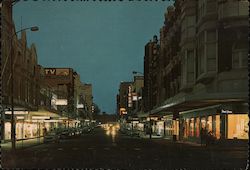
{"x": 204, "y": 69}
{"x": 125, "y": 99}
{"x": 151, "y": 79}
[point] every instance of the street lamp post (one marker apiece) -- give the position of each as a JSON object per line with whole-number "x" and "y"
{"x": 13, "y": 125}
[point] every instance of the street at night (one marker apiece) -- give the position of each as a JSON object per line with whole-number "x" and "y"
{"x": 124, "y": 84}
{"x": 99, "y": 150}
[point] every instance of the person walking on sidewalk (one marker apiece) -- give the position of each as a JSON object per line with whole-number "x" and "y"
{"x": 44, "y": 131}
{"x": 203, "y": 136}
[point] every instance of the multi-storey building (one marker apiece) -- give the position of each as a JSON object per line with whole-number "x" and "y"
{"x": 22, "y": 84}
{"x": 88, "y": 99}
{"x": 62, "y": 82}
{"x": 204, "y": 70}
{"x": 83, "y": 99}
{"x": 125, "y": 98}
{"x": 151, "y": 79}
{"x": 137, "y": 86}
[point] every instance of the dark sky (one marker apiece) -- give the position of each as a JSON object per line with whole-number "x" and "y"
{"x": 102, "y": 41}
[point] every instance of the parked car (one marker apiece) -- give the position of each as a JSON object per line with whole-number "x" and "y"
{"x": 51, "y": 137}
{"x": 64, "y": 134}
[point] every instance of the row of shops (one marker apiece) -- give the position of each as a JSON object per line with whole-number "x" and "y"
{"x": 222, "y": 121}
{"x": 31, "y": 124}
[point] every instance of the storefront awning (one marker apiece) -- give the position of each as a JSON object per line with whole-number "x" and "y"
{"x": 42, "y": 112}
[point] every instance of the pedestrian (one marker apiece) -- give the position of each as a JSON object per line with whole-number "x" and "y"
{"x": 202, "y": 135}
{"x": 44, "y": 131}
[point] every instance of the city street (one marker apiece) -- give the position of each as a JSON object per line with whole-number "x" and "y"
{"x": 100, "y": 150}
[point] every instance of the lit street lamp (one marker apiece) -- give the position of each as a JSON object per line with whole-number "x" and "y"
{"x": 13, "y": 128}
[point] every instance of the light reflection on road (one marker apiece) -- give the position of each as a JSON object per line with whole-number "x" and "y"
{"x": 111, "y": 130}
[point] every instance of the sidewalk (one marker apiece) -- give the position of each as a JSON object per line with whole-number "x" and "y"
{"x": 221, "y": 145}
{"x": 21, "y": 144}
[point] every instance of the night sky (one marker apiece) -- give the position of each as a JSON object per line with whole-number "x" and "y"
{"x": 102, "y": 41}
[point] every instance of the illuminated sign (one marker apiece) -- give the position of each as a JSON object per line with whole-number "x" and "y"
{"x": 53, "y": 101}
{"x": 61, "y": 102}
{"x": 226, "y": 111}
{"x": 17, "y": 112}
{"x": 63, "y": 118}
{"x": 123, "y": 111}
{"x": 53, "y": 120}
{"x": 80, "y": 106}
{"x": 20, "y": 117}
{"x": 57, "y": 71}
{"x": 135, "y": 98}
{"x": 40, "y": 117}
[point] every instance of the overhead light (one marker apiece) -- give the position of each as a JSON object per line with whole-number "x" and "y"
{"x": 40, "y": 117}
{"x": 17, "y": 112}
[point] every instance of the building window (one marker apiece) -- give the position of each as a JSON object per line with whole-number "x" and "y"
{"x": 239, "y": 55}
{"x": 211, "y": 49}
{"x": 201, "y": 8}
{"x": 201, "y": 55}
{"x": 190, "y": 66}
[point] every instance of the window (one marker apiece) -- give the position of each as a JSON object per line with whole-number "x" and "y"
{"x": 197, "y": 126}
{"x": 211, "y": 50}
{"x": 239, "y": 55}
{"x": 209, "y": 124}
{"x": 217, "y": 126}
{"x": 191, "y": 127}
{"x": 190, "y": 66}
{"x": 201, "y": 55}
{"x": 238, "y": 126}
{"x": 201, "y": 8}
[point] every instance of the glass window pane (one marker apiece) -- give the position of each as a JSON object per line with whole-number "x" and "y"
{"x": 217, "y": 126}
{"x": 238, "y": 126}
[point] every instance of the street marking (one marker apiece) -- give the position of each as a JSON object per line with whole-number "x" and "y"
{"x": 60, "y": 149}
{"x": 137, "y": 149}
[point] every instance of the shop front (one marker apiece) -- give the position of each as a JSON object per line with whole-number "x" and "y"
{"x": 30, "y": 125}
{"x": 169, "y": 126}
{"x": 223, "y": 122}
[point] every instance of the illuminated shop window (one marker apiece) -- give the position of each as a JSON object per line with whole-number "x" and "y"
{"x": 197, "y": 127}
{"x": 176, "y": 127}
{"x": 7, "y": 130}
{"x": 203, "y": 122}
{"x": 19, "y": 130}
{"x": 238, "y": 126}
{"x": 186, "y": 132}
{"x": 209, "y": 124}
{"x": 217, "y": 126}
{"x": 191, "y": 127}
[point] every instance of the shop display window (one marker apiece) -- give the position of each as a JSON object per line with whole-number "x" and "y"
{"x": 19, "y": 130}
{"x": 203, "y": 122}
{"x": 209, "y": 124}
{"x": 176, "y": 127}
{"x": 186, "y": 130}
{"x": 169, "y": 127}
{"x": 191, "y": 127}
{"x": 217, "y": 126}
{"x": 7, "y": 130}
{"x": 197, "y": 126}
{"x": 238, "y": 126}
